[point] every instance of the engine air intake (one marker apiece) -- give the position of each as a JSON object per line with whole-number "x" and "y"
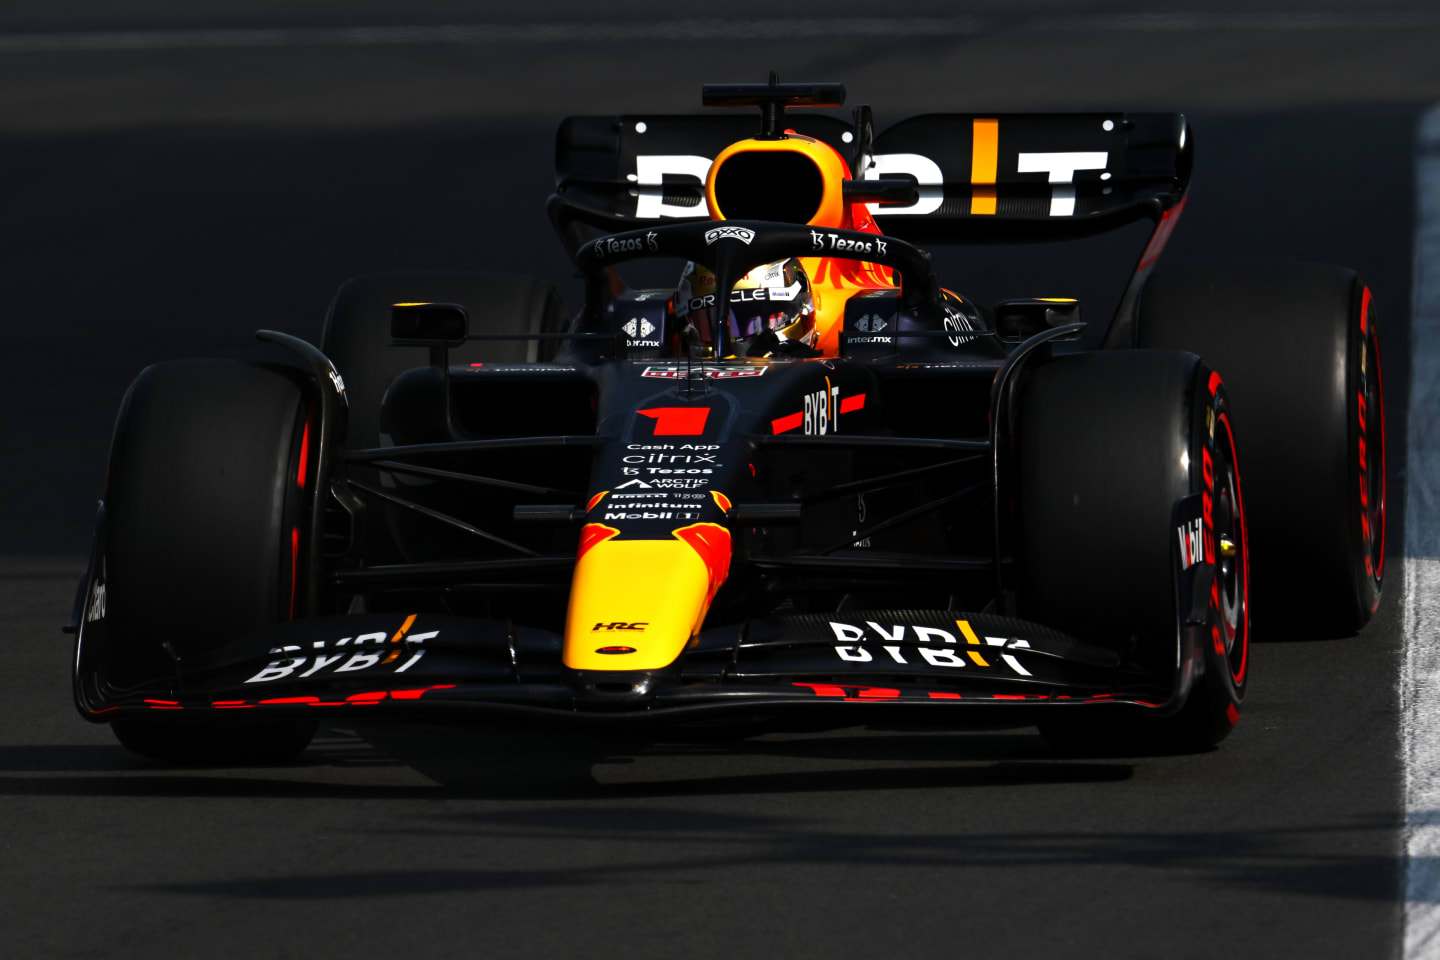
{"x": 769, "y": 185}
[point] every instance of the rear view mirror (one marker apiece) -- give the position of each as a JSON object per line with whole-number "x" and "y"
{"x": 429, "y": 324}
{"x": 1017, "y": 320}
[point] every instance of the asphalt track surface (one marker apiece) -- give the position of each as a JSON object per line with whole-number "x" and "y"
{"x": 152, "y": 235}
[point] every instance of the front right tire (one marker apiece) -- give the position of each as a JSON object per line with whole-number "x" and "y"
{"x": 1106, "y": 443}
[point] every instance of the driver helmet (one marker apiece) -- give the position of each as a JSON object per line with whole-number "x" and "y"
{"x": 774, "y": 297}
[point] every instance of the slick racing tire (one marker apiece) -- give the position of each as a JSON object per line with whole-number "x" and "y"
{"x": 1106, "y": 443}
{"x": 202, "y": 534}
{"x": 356, "y": 338}
{"x": 1300, "y": 353}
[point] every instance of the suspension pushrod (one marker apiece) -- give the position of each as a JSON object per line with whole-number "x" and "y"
{"x": 910, "y": 514}
{"x": 444, "y": 518}
{"x": 393, "y": 466}
{"x": 472, "y": 446}
{"x": 875, "y": 483}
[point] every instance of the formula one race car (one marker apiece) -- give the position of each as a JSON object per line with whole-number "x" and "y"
{"x": 811, "y": 486}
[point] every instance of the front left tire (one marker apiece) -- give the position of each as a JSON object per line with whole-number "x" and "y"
{"x": 202, "y": 533}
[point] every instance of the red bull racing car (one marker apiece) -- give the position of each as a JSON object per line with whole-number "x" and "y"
{"x": 810, "y": 484}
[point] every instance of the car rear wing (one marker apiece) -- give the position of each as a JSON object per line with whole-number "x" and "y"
{"x": 981, "y": 178}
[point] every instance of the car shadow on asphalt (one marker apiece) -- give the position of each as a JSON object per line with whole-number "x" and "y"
{"x": 651, "y": 844}
{"x": 433, "y": 761}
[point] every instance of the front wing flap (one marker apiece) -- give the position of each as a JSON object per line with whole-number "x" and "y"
{"x": 445, "y": 666}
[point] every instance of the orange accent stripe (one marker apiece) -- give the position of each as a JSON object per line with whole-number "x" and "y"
{"x": 982, "y": 201}
{"x": 984, "y": 151}
{"x": 594, "y": 500}
{"x": 984, "y": 164}
{"x": 974, "y": 641}
{"x": 404, "y": 629}
{"x": 721, "y": 501}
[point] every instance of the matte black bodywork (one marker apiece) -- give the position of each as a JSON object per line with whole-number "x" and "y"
{"x": 868, "y": 495}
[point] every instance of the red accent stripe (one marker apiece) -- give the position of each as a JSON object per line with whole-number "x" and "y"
{"x": 1161, "y": 234}
{"x": 785, "y": 424}
{"x": 824, "y": 689}
{"x": 712, "y": 542}
{"x": 1380, "y": 393}
{"x": 1244, "y": 548}
{"x": 293, "y": 700}
{"x": 417, "y": 694}
{"x": 294, "y": 562}
{"x": 1009, "y": 696}
{"x": 935, "y": 695}
{"x": 1232, "y": 714}
{"x": 1365, "y": 310}
{"x": 849, "y": 404}
{"x": 677, "y": 421}
{"x": 593, "y": 533}
{"x": 304, "y": 456}
{"x": 1215, "y": 381}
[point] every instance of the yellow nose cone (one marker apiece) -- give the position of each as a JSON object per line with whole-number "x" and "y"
{"x": 635, "y": 604}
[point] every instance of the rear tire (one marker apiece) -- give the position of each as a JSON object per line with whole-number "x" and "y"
{"x": 203, "y": 513}
{"x": 356, "y": 336}
{"x": 1106, "y": 443}
{"x": 1300, "y": 355}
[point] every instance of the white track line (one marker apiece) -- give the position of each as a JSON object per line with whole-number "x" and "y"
{"x": 693, "y": 30}
{"x": 1420, "y": 670}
